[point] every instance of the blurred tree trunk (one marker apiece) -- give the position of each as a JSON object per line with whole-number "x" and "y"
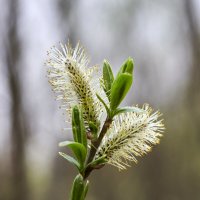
{"x": 61, "y": 178}
{"x": 194, "y": 84}
{"x": 68, "y": 19}
{"x": 18, "y": 128}
{"x": 190, "y": 110}
{"x": 193, "y": 90}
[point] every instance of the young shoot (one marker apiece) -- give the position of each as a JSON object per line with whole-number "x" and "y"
{"x": 86, "y": 96}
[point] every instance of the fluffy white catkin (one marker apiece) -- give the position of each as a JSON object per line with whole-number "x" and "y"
{"x": 74, "y": 82}
{"x": 130, "y": 135}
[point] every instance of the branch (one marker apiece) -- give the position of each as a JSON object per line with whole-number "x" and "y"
{"x": 95, "y": 145}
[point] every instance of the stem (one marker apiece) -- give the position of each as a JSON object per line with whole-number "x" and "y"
{"x": 95, "y": 145}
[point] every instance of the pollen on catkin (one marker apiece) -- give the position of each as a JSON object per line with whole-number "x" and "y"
{"x": 131, "y": 135}
{"x": 74, "y": 83}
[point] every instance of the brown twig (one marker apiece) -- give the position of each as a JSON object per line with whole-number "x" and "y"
{"x": 95, "y": 145}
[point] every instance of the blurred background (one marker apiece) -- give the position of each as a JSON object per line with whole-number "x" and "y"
{"x": 162, "y": 36}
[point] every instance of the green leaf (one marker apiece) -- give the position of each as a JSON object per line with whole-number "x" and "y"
{"x": 119, "y": 89}
{"x": 128, "y": 109}
{"x": 94, "y": 129}
{"x": 85, "y": 190}
{"x": 121, "y": 84}
{"x": 108, "y": 78}
{"x": 78, "y": 187}
{"x": 103, "y": 102}
{"x": 98, "y": 161}
{"x": 127, "y": 67}
{"x": 78, "y": 149}
{"x": 78, "y": 127}
{"x": 70, "y": 159}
